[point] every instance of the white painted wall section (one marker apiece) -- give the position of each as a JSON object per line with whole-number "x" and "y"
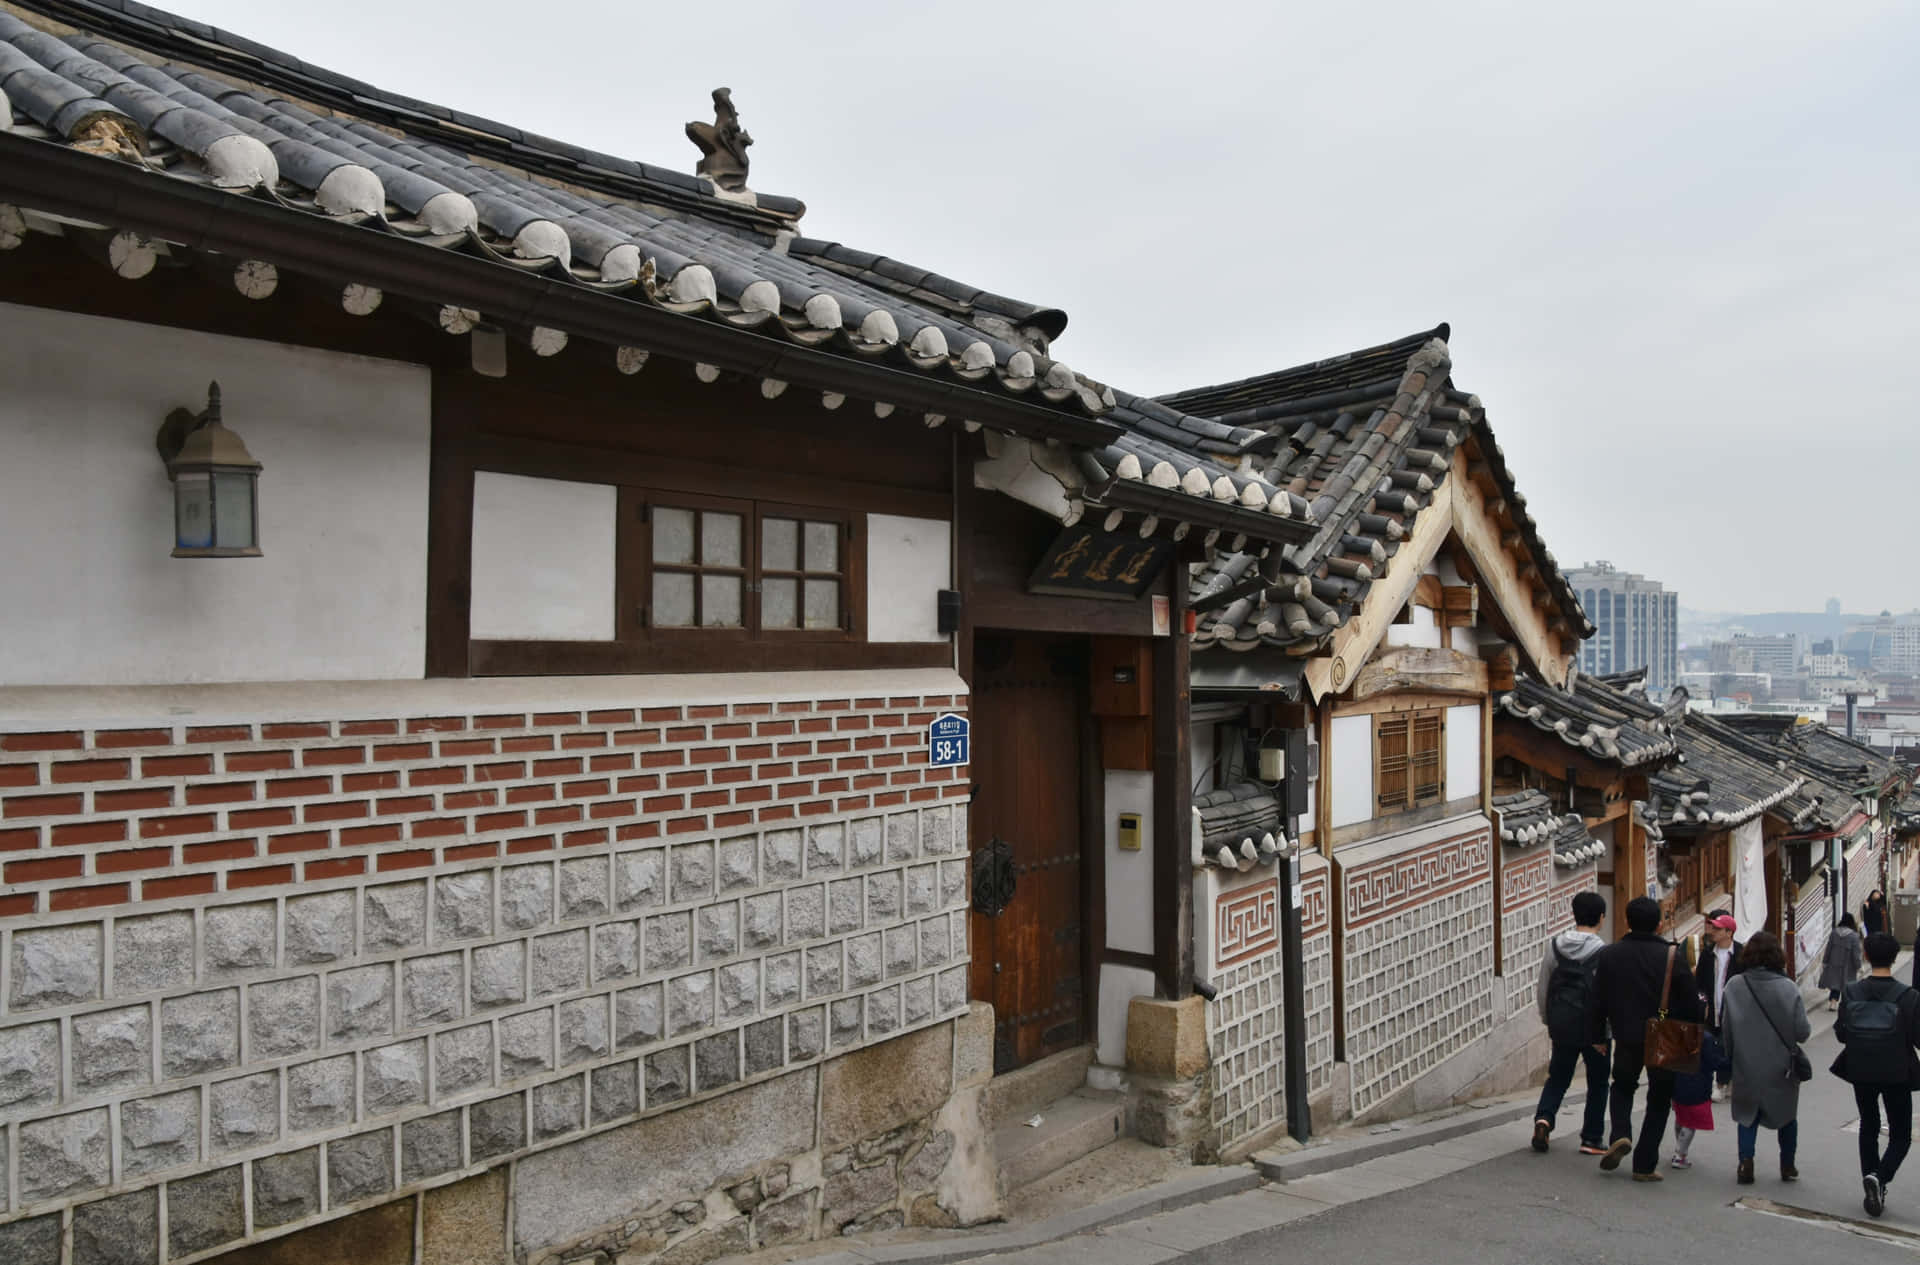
{"x": 1129, "y": 874}
{"x": 909, "y": 560}
{"x": 1424, "y": 631}
{"x": 543, "y": 559}
{"x": 1119, "y": 985}
{"x": 1463, "y": 751}
{"x": 1352, "y": 764}
{"x": 86, "y": 510}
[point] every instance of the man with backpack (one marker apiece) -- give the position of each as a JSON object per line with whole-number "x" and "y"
{"x": 1878, "y": 1027}
{"x": 1564, "y": 994}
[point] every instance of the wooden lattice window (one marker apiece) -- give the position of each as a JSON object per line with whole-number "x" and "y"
{"x": 1409, "y": 760}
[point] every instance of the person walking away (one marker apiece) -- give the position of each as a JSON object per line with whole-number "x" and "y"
{"x": 1720, "y": 963}
{"x": 1879, "y": 1026}
{"x": 1762, "y": 1024}
{"x": 1563, "y": 994}
{"x": 1693, "y": 1094}
{"x": 1629, "y": 979}
{"x": 1873, "y": 914}
{"x": 1841, "y": 965}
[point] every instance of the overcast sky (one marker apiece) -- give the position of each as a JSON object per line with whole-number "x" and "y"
{"x": 1679, "y": 244}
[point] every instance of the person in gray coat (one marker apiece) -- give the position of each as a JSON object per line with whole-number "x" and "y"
{"x": 1762, "y": 1022}
{"x": 1841, "y": 965}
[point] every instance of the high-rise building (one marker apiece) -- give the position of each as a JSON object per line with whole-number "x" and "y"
{"x": 1636, "y": 624}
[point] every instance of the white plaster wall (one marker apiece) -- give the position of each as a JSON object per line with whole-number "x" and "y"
{"x": 1352, "y": 764}
{"x": 543, "y": 553}
{"x": 1464, "y": 640}
{"x": 1119, "y": 985}
{"x": 1463, "y": 751}
{"x": 909, "y": 560}
{"x": 1129, "y": 874}
{"x": 1424, "y": 631}
{"x": 86, "y": 510}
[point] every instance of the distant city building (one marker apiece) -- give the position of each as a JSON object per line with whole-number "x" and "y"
{"x": 1778, "y": 654}
{"x": 1637, "y": 624}
{"x": 1826, "y": 664}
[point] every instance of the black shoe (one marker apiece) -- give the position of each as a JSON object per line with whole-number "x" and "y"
{"x": 1876, "y": 1199}
{"x": 1744, "y": 1174}
{"x": 1621, "y": 1148}
{"x": 1540, "y": 1131}
{"x": 1788, "y": 1173}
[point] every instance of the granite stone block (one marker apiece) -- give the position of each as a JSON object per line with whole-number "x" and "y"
{"x": 923, "y": 889}
{"x": 669, "y": 1076}
{"x": 719, "y": 931}
{"x": 583, "y": 888}
{"x": 286, "y": 1188}
{"x": 53, "y": 966}
{"x": 283, "y": 1017}
{"x": 463, "y": 1059}
{"x": 692, "y": 872}
{"x": 616, "y": 1091}
{"x": 526, "y": 896}
{"x": 953, "y": 884}
{"x": 669, "y": 941}
{"x": 844, "y": 905}
{"x": 319, "y": 928}
{"x": 239, "y": 938}
{"x": 865, "y": 841}
{"x": 761, "y": 920}
{"x": 463, "y": 906}
{"x": 766, "y": 1045}
{"x": 433, "y": 988}
{"x": 205, "y": 1211}
{"x": 902, "y": 950}
{"x": 865, "y": 964}
{"x": 30, "y": 1057}
{"x": 320, "y": 1094}
{"x": 781, "y": 855}
{"x": 559, "y": 963}
{"x": 200, "y": 1032}
{"x": 559, "y": 1108}
{"x": 806, "y": 913}
{"x": 497, "y": 1126}
{"x": 845, "y": 1021}
{"x": 883, "y": 895}
{"x": 637, "y": 1015}
{"x": 35, "y": 1241}
{"x": 360, "y": 1003}
{"x": 739, "y": 990}
{"x": 526, "y": 1044}
{"x": 953, "y": 989}
{"x": 123, "y": 1230}
{"x": 826, "y": 847}
{"x": 159, "y": 1132}
{"x": 429, "y": 1146}
{"x": 903, "y": 837}
{"x": 782, "y": 972}
{"x": 824, "y": 970}
{"x": 359, "y": 1167}
{"x": 936, "y": 831}
{"x": 689, "y": 1003}
{"x": 499, "y": 974}
{"x": 735, "y": 859}
{"x": 152, "y": 953}
{"x": 64, "y": 1155}
{"x": 616, "y": 950}
{"x": 934, "y": 948}
{"x": 716, "y": 1060}
{"x": 583, "y": 1030}
{"x": 394, "y": 916}
{"x": 916, "y": 1000}
{"x": 244, "y": 1112}
{"x": 640, "y": 878}
{"x": 393, "y": 1076}
{"x": 806, "y": 1034}
{"x": 883, "y": 1011}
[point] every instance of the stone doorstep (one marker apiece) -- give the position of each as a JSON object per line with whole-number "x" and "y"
{"x": 1070, "y": 1127}
{"x": 1348, "y": 1148}
{"x": 1016, "y": 1095}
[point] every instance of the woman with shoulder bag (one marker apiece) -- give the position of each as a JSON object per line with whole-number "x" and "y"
{"x": 1762, "y": 1023}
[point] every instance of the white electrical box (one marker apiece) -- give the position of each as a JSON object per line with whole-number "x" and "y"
{"x": 1273, "y": 764}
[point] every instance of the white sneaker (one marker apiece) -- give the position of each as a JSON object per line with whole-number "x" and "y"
{"x": 1719, "y": 1092}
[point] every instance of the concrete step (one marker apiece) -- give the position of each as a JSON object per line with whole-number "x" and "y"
{"x": 1070, "y": 1127}
{"x": 1019, "y": 1094}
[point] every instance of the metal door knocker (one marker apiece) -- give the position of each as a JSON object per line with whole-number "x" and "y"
{"x": 993, "y": 877}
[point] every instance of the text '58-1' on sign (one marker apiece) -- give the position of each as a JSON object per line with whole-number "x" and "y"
{"x": 947, "y": 740}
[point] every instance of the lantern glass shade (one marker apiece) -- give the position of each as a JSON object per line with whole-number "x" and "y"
{"x": 192, "y": 512}
{"x": 215, "y": 509}
{"x": 233, "y": 525}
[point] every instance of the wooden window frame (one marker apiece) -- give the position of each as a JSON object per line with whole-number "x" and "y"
{"x": 1399, "y": 730}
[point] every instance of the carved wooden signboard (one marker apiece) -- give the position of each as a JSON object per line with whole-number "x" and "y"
{"x": 1085, "y": 561}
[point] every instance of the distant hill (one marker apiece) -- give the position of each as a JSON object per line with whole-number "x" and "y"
{"x": 1697, "y": 627}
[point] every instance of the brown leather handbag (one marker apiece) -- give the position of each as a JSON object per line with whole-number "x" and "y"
{"x": 1673, "y": 1044}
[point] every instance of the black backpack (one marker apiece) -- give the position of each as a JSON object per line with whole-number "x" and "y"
{"x": 1569, "y": 993}
{"x": 1876, "y": 1036}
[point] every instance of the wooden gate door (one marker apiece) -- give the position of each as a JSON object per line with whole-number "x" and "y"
{"x": 1026, "y": 928}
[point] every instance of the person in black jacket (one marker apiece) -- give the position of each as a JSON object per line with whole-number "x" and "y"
{"x": 1719, "y": 962}
{"x": 1879, "y": 1026}
{"x": 1628, "y": 979}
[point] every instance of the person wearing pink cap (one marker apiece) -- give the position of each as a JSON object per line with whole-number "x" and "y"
{"x": 1720, "y": 963}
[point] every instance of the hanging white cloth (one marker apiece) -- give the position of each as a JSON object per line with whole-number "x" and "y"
{"x": 1749, "y": 879}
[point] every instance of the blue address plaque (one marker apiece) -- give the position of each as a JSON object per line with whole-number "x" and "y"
{"x": 947, "y": 740}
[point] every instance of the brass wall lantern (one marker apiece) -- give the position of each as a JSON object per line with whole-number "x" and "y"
{"x": 215, "y": 510}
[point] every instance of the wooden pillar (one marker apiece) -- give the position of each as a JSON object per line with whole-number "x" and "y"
{"x": 1173, "y": 797}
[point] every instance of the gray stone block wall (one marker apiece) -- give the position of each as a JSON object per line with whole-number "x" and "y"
{"x": 247, "y": 1065}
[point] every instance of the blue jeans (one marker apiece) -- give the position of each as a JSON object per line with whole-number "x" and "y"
{"x": 1789, "y": 1139}
{"x": 1560, "y": 1075}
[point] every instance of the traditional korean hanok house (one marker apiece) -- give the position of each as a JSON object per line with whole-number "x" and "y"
{"x": 494, "y": 771}
{"x": 1351, "y": 676}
